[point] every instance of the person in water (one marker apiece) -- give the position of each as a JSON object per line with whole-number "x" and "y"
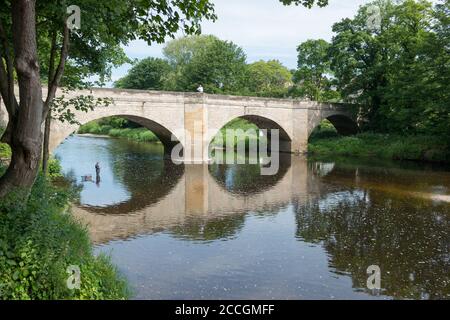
{"x": 97, "y": 173}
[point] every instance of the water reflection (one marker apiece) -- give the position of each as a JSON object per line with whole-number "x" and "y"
{"x": 223, "y": 231}
{"x": 376, "y": 218}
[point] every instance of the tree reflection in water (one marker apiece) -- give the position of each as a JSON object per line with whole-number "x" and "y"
{"x": 406, "y": 236}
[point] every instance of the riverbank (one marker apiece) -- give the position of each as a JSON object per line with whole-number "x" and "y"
{"x": 382, "y": 146}
{"x": 40, "y": 240}
{"x": 109, "y": 128}
{"x": 324, "y": 141}
{"x": 135, "y": 134}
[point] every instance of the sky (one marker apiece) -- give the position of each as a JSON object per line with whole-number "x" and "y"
{"x": 265, "y": 29}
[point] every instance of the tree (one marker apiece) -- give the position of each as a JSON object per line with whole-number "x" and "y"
{"x": 314, "y": 77}
{"x": 398, "y": 72}
{"x": 104, "y": 24}
{"x": 268, "y": 78}
{"x": 306, "y": 3}
{"x": 219, "y": 66}
{"x": 147, "y": 74}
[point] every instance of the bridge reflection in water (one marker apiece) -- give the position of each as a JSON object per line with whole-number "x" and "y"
{"x": 310, "y": 231}
{"x": 198, "y": 192}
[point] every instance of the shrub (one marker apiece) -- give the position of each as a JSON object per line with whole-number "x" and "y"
{"x": 39, "y": 239}
{"x": 54, "y": 168}
{"x": 396, "y": 147}
{"x": 5, "y": 150}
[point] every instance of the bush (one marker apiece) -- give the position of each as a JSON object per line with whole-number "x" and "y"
{"x": 113, "y": 127}
{"x": 5, "y": 150}
{"x": 395, "y": 147}
{"x": 324, "y": 131}
{"x": 54, "y": 168}
{"x": 39, "y": 239}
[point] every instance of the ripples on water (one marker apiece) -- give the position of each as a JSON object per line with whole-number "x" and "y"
{"x": 226, "y": 232}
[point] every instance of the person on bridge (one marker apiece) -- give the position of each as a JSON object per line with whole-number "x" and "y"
{"x": 200, "y": 89}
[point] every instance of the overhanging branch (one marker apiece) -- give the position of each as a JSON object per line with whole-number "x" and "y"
{"x": 56, "y": 79}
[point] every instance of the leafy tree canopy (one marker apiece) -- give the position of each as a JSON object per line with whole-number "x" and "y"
{"x": 147, "y": 74}
{"x": 268, "y": 78}
{"x": 313, "y": 77}
{"x": 306, "y": 3}
{"x": 400, "y": 71}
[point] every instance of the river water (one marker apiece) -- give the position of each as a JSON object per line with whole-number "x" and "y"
{"x": 226, "y": 232}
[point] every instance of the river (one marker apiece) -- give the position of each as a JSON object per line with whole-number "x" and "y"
{"x": 227, "y": 232}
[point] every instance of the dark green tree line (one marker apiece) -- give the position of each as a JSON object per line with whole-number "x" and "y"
{"x": 219, "y": 66}
{"x": 400, "y": 72}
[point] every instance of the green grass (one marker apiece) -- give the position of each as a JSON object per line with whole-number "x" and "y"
{"x": 136, "y": 134}
{"x": 111, "y": 127}
{"x": 236, "y": 124}
{"x": 382, "y": 146}
{"x": 40, "y": 239}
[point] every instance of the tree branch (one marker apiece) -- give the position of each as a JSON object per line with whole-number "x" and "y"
{"x": 56, "y": 79}
{"x": 51, "y": 62}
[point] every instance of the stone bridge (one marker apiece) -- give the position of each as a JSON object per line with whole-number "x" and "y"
{"x": 194, "y": 119}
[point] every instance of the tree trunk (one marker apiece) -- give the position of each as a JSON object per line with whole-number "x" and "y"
{"x": 26, "y": 137}
{"x": 46, "y": 151}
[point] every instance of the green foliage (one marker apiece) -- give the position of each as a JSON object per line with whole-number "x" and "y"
{"x": 137, "y": 134}
{"x": 313, "y": 78}
{"x": 93, "y": 128}
{"x": 400, "y": 73}
{"x": 5, "y": 150}
{"x": 306, "y": 3}
{"x": 96, "y": 47}
{"x": 118, "y": 128}
{"x": 268, "y": 79}
{"x": 39, "y": 239}
{"x": 323, "y": 131}
{"x": 147, "y": 74}
{"x": 238, "y": 123}
{"x": 54, "y": 168}
{"x": 217, "y": 65}
{"x": 383, "y": 146}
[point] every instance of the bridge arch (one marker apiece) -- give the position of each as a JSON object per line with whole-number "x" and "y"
{"x": 60, "y": 131}
{"x": 262, "y": 122}
{"x": 343, "y": 121}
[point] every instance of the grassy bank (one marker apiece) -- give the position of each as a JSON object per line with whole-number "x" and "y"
{"x": 137, "y": 134}
{"x": 323, "y": 142}
{"x": 40, "y": 239}
{"x": 113, "y": 127}
{"x": 326, "y": 142}
{"x": 237, "y": 124}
